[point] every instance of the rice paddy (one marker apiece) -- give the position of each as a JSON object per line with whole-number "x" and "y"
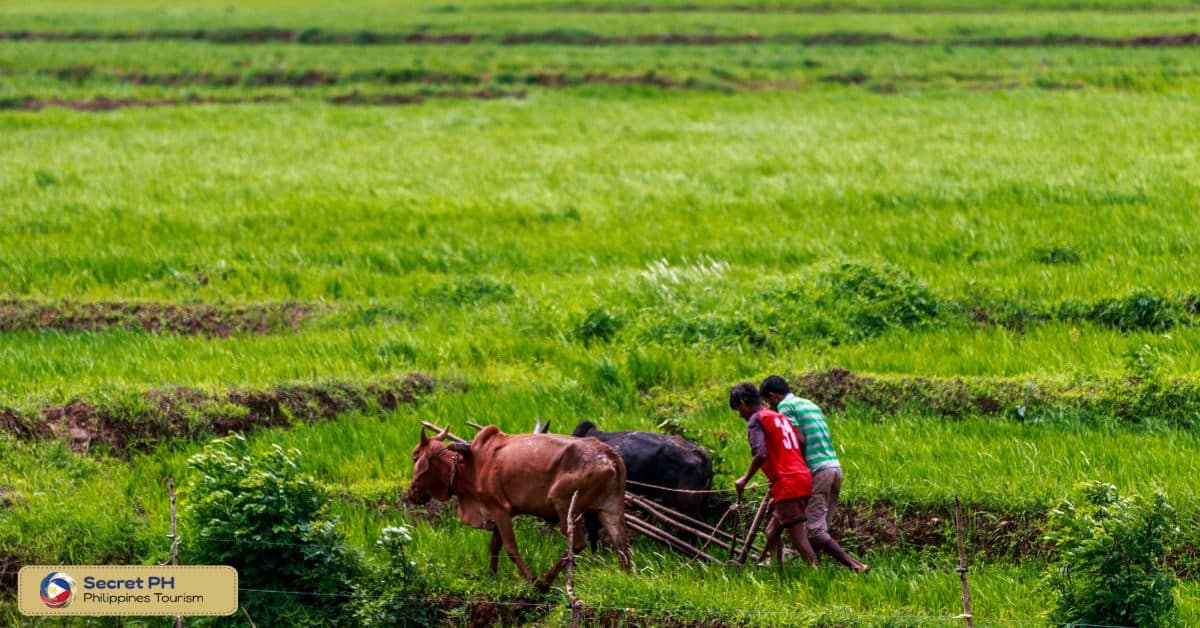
{"x": 609, "y": 211}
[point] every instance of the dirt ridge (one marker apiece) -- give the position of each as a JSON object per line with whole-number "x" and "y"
{"x": 142, "y": 420}
{"x": 1128, "y": 399}
{"x": 161, "y": 318}
{"x": 833, "y": 9}
{"x": 569, "y": 37}
{"x": 105, "y": 103}
{"x": 316, "y": 78}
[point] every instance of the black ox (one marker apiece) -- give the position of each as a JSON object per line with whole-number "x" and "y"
{"x": 657, "y": 460}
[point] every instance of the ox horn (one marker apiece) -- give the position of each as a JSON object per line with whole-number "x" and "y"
{"x": 541, "y": 428}
{"x": 442, "y": 434}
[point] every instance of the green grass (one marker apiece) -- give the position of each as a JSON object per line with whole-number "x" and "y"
{"x": 83, "y": 69}
{"x": 1005, "y": 19}
{"x": 370, "y": 202}
{"x": 487, "y": 242}
{"x": 916, "y": 460}
{"x": 52, "y": 368}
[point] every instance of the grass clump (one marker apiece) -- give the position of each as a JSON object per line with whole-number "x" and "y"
{"x": 864, "y": 301}
{"x": 598, "y": 325}
{"x": 478, "y": 291}
{"x": 1139, "y": 310}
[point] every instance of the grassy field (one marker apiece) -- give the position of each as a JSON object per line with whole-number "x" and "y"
{"x": 611, "y": 211}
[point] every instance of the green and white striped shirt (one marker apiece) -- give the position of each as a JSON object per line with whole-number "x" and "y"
{"x": 818, "y": 444}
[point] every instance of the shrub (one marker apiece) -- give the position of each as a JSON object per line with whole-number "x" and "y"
{"x": 257, "y": 513}
{"x": 1108, "y": 567}
{"x": 390, "y": 595}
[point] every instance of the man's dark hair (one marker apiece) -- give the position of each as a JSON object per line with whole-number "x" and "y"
{"x": 744, "y": 392}
{"x": 774, "y": 384}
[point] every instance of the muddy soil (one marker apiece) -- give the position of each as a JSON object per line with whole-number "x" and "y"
{"x": 104, "y": 103}
{"x": 576, "y": 38}
{"x": 356, "y": 98}
{"x": 321, "y": 78}
{"x": 171, "y": 318}
{"x": 186, "y": 413}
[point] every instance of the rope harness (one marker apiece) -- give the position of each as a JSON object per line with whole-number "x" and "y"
{"x": 691, "y": 491}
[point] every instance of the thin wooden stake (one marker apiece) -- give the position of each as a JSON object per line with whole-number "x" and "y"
{"x": 962, "y": 565}
{"x": 174, "y": 535}
{"x": 576, "y": 603}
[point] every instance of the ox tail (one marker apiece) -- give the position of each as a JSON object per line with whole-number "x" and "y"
{"x": 619, "y": 465}
{"x": 612, "y": 518}
{"x": 584, "y": 428}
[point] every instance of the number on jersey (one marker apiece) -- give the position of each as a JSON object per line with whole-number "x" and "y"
{"x": 789, "y": 436}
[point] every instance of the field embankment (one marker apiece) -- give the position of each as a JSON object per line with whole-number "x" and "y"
{"x": 584, "y": 38}
{"x": 140, "y": 421}
{"x": 172, "y": 318}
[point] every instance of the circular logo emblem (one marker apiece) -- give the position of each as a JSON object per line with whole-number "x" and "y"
{"x": 57, "y": 590}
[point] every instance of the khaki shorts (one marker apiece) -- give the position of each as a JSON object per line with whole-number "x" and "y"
{"x": 826, "y": 485}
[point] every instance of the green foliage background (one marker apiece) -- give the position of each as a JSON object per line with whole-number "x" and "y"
{"x": 991, "y": 219}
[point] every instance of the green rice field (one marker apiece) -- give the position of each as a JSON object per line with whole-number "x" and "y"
{"x": 613, "y": 211}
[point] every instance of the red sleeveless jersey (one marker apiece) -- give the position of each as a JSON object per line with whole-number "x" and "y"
{"x": 785, "y": 466}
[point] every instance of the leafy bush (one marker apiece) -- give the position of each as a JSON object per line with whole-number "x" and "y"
{"x": 1109, "y": 561}
{"x": 390, "y": 595}
{"x": 257, "y": 513}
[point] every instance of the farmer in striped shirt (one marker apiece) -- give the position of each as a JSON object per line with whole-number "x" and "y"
{"x": 822, "y": 462}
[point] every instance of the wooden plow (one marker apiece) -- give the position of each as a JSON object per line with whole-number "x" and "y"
{"x": 655, "y": 521}
{"x": 737, "y": 549}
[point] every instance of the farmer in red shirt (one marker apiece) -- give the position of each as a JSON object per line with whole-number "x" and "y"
{"x": 777, "y": 451}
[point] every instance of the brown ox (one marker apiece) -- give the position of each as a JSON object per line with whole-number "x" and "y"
{"x": 497, "y": 476}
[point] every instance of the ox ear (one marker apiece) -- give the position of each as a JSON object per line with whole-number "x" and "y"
{"x": 460, "y": 448}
